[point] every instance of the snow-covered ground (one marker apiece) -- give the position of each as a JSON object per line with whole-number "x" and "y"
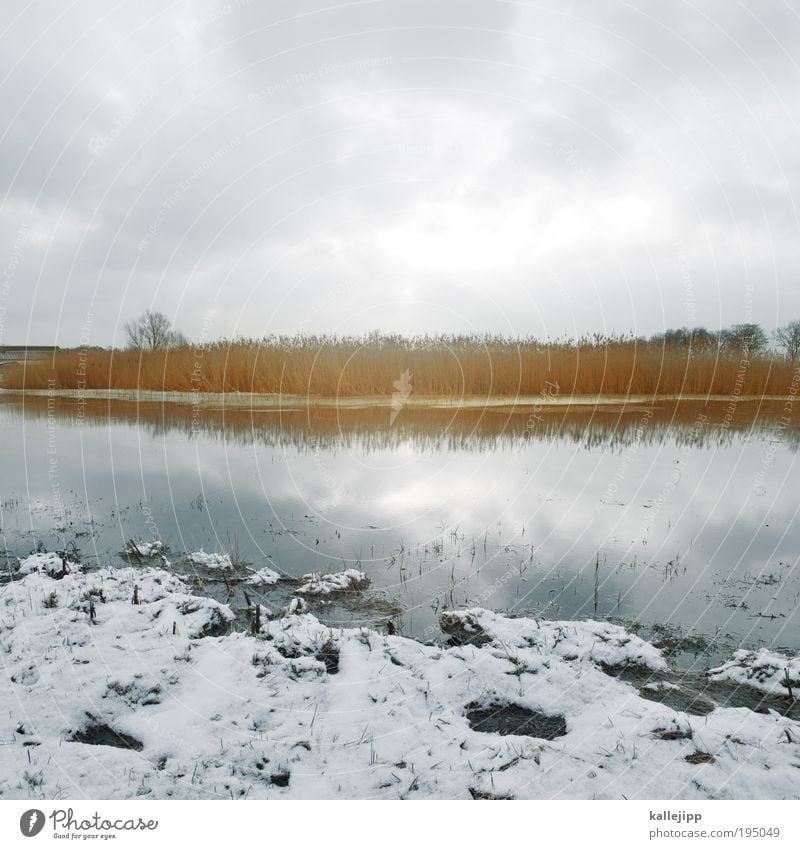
{"x": 211, "y": 560}
{"x": 264, "y": 577}
{"x": 350, "y": 580}
{"x": 47, "y": 562}
{"x": 764, "y": 670}
{"x": 145, "y": 548}
{"x": 110, "y": 699}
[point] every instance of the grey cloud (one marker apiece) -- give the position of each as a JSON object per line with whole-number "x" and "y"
{"x": 402, "y": 165}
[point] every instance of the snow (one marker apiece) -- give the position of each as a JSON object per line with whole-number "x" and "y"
{"x": 141, "y": 548}
{"x": 296, "y": 605}
{"x": 600, "y": 642}
{"x": 350, "y": 580}
{"x": 211, "y": 561}
{"x": 303, "y": 710}
{"x": 49, "y": 562}
{"x": 264, "y": 577}
{"x": 763, "y": 670}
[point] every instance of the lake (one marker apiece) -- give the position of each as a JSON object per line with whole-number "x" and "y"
{"x": 680, "y": 520}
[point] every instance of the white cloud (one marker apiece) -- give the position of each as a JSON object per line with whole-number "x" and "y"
{"x": 436, "y": 165}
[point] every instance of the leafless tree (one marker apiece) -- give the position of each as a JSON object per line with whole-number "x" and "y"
{"x": 788, "y": 338}
{"x": 695, "y": 338}
{"x": 745, "y": 339}
{"x": 153, "y": 331}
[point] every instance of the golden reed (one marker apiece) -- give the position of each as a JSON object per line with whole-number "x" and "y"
{"x": 328, "y": 366}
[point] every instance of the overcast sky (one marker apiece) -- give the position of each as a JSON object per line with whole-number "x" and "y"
{"x": 540, "y": 168}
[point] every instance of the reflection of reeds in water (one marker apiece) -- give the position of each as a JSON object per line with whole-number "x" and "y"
{"x": 686, "y": 423}
{"x": 369, "y": 366}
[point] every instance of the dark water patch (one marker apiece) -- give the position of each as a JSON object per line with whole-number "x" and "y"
{"x": 104, "y": 735}
{"x": 700, "y": 758}
{"x": 672, "y": 640}
{"x": 280, "y": 779}
{"x": 481, "y": 795}
{"x": 739, "y": 695}
{"x": 684, "y": 701}
{"x": 692, "y": 692}
{"x": 680, "y": 692}
{"x": 341, "y": 610}
{"x": 328, "y": 653}
{"x": 673, "y": 733}
{"x": 461, "y": 632}
{"x": 514, "y": 719}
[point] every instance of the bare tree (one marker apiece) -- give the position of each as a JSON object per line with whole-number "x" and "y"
{"x": 704, "y": 340}
{"x": 153, "y": 331}
{"x": 697, "y": 339}
{"x": 788, "y": 338}
{"x": 745, "y": 339}
{"x": 673, "y": 337}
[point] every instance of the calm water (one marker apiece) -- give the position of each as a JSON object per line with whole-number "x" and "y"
{"x": 681, "y": 516}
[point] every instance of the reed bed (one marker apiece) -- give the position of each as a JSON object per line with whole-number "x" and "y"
{"x": 449, "y": 366}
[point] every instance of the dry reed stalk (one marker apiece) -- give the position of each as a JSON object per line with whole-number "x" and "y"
{"x": 442, "y": 366}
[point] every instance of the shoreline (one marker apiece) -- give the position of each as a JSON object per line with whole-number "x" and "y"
{"x": 290, "y": 707}
{"x": 293, "y": 402}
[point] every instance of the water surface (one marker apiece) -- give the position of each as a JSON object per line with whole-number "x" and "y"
{"x": 679, "y": 518}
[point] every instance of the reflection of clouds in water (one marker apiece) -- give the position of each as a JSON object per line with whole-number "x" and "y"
{"x": 442, "y": 509}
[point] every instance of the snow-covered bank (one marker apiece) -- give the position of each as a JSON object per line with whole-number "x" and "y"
{"x": 145, "y": 549}
{"x": 111, "y": 699}
{"x": 350, "y": 580}
{"x": 763, "y": 670}
{"x": 211, "y": 561}
{"x": 263, "y": 577}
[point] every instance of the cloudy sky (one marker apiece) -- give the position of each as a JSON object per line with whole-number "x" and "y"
{"x": 540, "y": 168}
